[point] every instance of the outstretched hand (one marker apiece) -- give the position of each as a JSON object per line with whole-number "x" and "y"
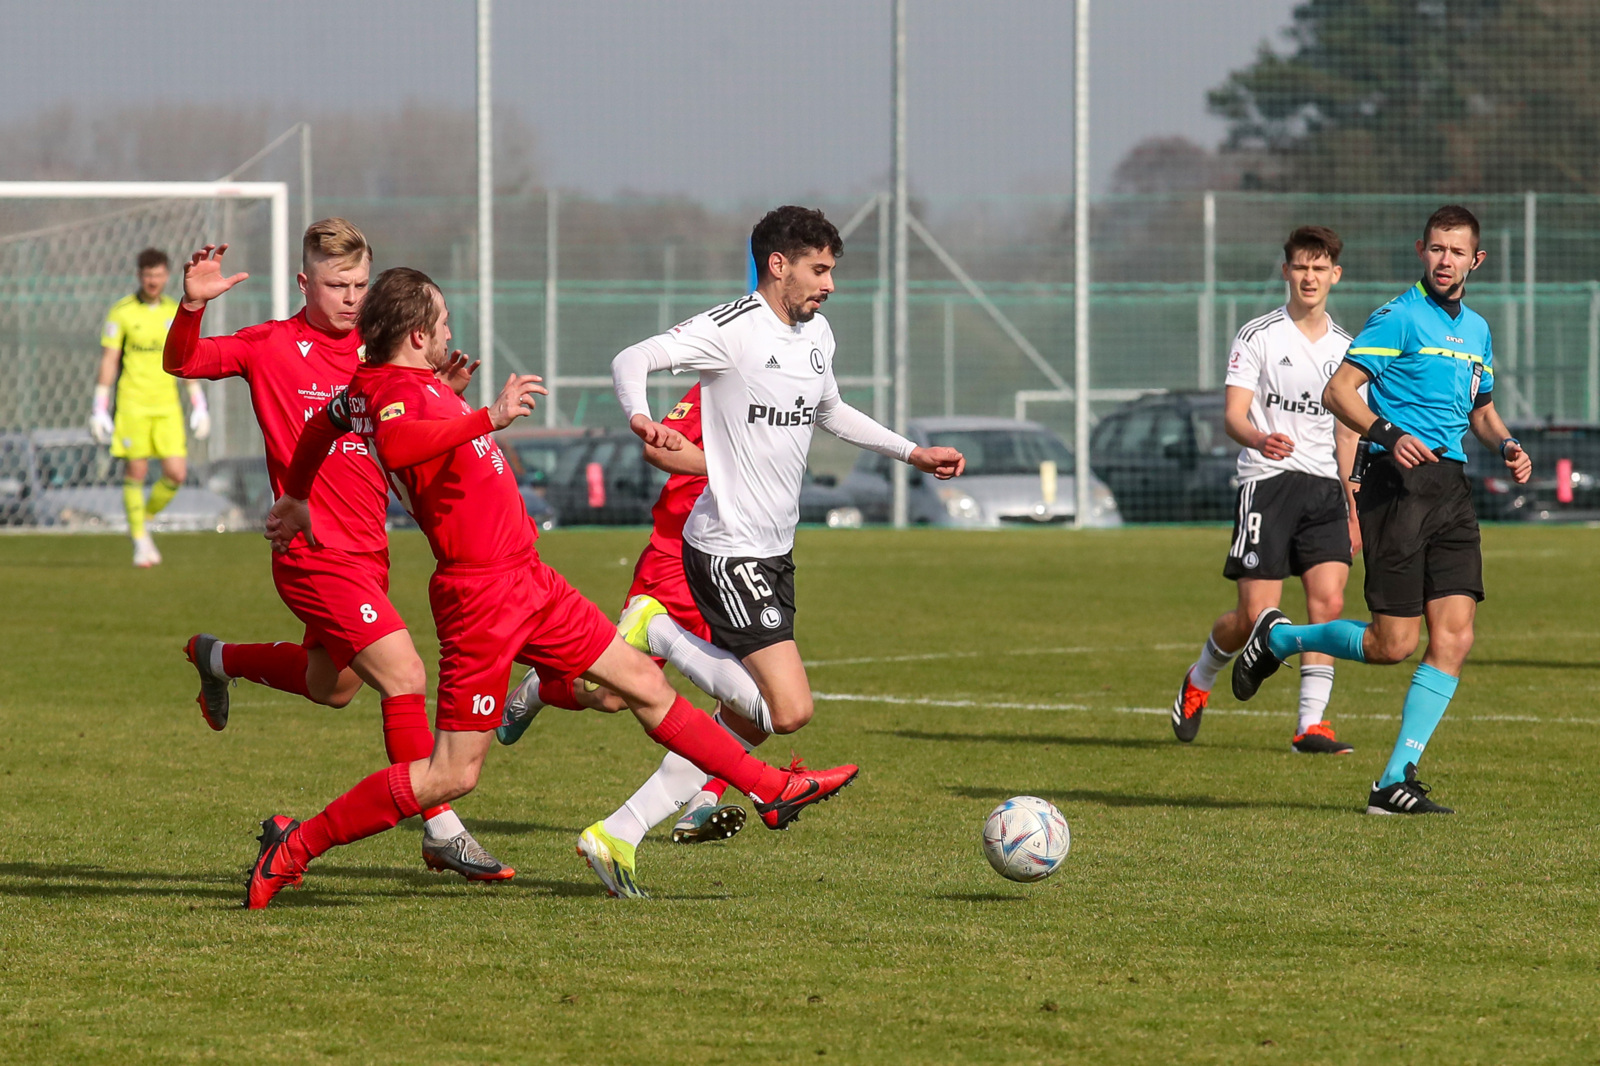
{"x": 942, "y": 463}
{"x": 655, "y": 434}
{"x": 203, "y": 280}
{"x": 457, "y": 373}
{"x": 288, "y": 519}
{"x": 516, "y": 399}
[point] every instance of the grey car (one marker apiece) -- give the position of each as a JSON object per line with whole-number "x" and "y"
{"x": 1018, "y": 474}
{"x": 73, "y": 483}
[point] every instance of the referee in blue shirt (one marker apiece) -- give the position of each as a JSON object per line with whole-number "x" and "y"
{"x": 1427, "y": 363}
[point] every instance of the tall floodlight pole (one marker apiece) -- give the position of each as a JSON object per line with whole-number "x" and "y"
{"x": 901, "y": 318}
{"x": 552, "y": 309}
{"x": 1080, "y": 265}
{"x": 486, "y": 387}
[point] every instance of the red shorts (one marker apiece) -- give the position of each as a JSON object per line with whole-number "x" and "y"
{"x": 490, "y": 616}
{"x": 659, "y": 574}
{"x": 341, "y": 596}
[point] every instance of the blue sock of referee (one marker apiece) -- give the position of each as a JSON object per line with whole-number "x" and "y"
{"x": 1426, "y": 700}
{"x": 1340, "y": 639}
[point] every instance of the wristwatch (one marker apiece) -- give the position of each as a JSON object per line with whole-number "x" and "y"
{"x": 1508, "y": 440}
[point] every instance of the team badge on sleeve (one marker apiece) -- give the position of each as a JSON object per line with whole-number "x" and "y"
{"x": 394, "y": 410}
{"x": 680, "y": 411}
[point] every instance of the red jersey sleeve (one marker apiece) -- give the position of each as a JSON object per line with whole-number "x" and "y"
{"x": 188, "y": 355}
{"x": 416, "y": 441}
{"x": 685, "y": 417}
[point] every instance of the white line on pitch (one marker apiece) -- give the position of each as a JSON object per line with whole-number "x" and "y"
{"x": 930, "y": 656}
{"x": 999, "y": 705}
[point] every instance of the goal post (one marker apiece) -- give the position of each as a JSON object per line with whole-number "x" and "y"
{"x": 67, "y": 251}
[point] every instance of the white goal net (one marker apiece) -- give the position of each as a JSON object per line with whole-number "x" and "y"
{"x": 67, "y": 253}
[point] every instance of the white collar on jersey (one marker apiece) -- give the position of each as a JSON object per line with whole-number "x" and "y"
{"x": 774, "y": 320}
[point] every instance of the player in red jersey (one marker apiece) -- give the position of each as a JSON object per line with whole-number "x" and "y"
{"x": 675, "y": 630}
{"x": 494, "y": 601}
{"x": 340, "y": 588}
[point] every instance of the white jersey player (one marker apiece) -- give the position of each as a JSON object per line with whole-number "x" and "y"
{"x": 765, "y": 363}
{"x": 1296, "y": 510}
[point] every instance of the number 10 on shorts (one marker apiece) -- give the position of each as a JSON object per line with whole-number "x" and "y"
{"x": 483, "y": 705}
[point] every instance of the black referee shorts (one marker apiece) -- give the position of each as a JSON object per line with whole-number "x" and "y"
{"x": 1286, "y": 524}
{"x": 747, "y": 602}
{"x": 1419, "y": 536}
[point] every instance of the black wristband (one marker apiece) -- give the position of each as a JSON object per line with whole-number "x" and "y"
{"x": 1508, "y": 440}
{"x": 1385, "y": 433}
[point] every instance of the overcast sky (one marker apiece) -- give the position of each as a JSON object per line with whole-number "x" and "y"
{"x": 716, "y": 99}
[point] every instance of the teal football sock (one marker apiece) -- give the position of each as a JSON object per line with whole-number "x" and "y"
{"x": 1340, "y": 639}
{"x": 1426, "y": 700}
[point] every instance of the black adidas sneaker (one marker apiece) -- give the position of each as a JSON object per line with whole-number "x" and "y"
{"x": 1405, "y": 797}
{"x": 1256, "y": 662}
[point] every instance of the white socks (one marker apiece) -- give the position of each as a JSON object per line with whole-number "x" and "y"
{"x": 1316, "y": 688}
{"x": 216, "y": 660}
{"x": 443, "y": 826}
{"x": 1203, "y": 674}
{"x": 714, "y": 671}
{"x": 674, "y": 783}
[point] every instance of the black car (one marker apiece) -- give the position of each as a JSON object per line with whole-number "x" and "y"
{"x": 1167, "y": 458}
{"x": 1565, "y": 486}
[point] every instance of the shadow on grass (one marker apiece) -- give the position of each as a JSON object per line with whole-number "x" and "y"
{"x": 1127, "y": 799}
{"x": 978, "y": 897}
{"x": 1535, "y": 664}
{"x": 45, "y": 880}
{"x": 1028, "y": 738}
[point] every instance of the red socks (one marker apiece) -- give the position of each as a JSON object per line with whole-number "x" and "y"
{"x": 281, "y": 666}
{"x": 379, "y": 802}
{"x": 716, "y": 786}
{"x": 692, "y": 734}
{"x": 406, "y": 736}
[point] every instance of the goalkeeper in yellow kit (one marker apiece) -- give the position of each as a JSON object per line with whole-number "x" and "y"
{"x": 149, "y": 419}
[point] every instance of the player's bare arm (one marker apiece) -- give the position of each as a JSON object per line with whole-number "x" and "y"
{"x": 688, "y": 460}
{"x": 1345, "y": 440}
{"x": 1236, "y": 420}
{"x": 1488, "y": 428}
{"x": 1342, "y": 396}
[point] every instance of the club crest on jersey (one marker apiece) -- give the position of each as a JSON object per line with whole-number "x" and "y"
{"x": 816, "y": 360}
{"x": 680, "y": 411}
{"x": 305, "y": 348}
{"x": 800, "y": 415}
{"x": 1329, "y": 367}
{"x": 394, "y": 410}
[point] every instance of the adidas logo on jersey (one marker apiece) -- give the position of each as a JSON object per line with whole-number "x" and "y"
{"x": 772, "y": 363}
{"x": 1286, "y": 361}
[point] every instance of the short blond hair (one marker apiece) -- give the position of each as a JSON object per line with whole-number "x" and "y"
{"x": 335, "y": 239}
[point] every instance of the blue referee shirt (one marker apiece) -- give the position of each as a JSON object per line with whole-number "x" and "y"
{"x": 1427, "y": 369}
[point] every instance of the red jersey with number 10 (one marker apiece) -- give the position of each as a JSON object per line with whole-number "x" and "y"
{"x": 294, "y": 369}
{"x": 466, "y": 500}
{"x": 681, "y": 491}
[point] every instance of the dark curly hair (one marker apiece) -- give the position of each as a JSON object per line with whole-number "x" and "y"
{"x": 791, "y": 232}
{"x": 399, "y": 302}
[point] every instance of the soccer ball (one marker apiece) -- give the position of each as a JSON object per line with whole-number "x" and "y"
{"x": 1026, "y": 838}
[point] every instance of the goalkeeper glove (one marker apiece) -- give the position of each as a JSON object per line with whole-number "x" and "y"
{"x": 199, "y": 415}
{"x": 101, "y": 423}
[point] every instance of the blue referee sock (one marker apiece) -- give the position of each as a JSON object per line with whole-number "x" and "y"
{"x": 1340, "y": 639}
{"x": 1426, "y": 700}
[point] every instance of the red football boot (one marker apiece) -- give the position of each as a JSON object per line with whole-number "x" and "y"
{"x": 805, "y": 787}
{"x": 275, "y": 868}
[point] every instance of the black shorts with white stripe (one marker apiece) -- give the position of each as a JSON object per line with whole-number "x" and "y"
{"x": 748, "y": 602}
{"x": 1286, "y": 524}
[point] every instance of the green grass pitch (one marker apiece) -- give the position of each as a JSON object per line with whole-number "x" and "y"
{"x": 1223, "y": 902}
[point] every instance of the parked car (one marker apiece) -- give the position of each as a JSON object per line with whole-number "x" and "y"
{"x": 1168, "y": 458}
{"x": 73, "y": 483}
{"x": 1565, "y": 486}
{"x": 245, "y": 481}
{"x": 1005, "y": 483}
